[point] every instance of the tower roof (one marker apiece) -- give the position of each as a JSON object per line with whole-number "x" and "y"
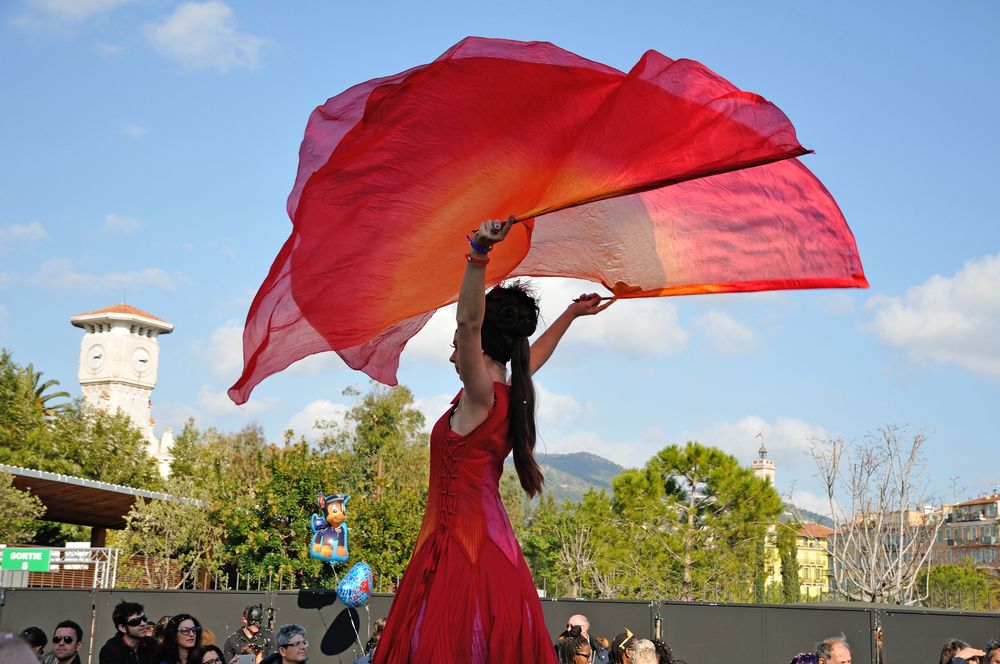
{"x": 122, "y": 312}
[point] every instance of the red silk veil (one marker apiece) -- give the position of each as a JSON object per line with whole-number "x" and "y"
{"x": 394, "y": 172}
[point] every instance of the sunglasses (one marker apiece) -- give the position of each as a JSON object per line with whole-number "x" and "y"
{"x": 135, "y": 622}
{"x": 187, "y": 631}
{"x": 63, "y": 639}
{"x": 297, "y": 644}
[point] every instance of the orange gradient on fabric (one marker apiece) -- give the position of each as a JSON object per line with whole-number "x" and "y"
{"x": 395, "y": 172}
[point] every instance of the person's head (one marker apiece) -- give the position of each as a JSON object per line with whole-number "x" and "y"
{"x": 253, "y": 617}
{"x": 130, "y": 619}
{"x": 952, "y": 647}
{"x": 644, "y": 652}
{"x": 66, "y": 640}
{"x": 511, "y": 317}
{"x": 574, "y": 647}
{"x": 377, "y": 628}
{"x": 992, "y": 650}
{"x": 664, "y": 655}
{"x": 182, "y": 635}
{"x": 36, "y": 639}
{"x": 620, "y": 651}
{"x": 14, "y": 650}
{"x": 579, "y": 620}
{"x": 207, "y": 655}
{"x": 833, "y": 650}
{"x": 291, "y": 643}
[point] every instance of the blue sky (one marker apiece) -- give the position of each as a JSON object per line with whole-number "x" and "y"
{"x": 150, "y": 146}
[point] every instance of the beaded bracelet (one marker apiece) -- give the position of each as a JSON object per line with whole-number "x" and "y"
{"x": 476, "y": 247}
{"x": 477, "y": 261}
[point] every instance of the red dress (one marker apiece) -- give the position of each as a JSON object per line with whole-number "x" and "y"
{"x": 467, "y": 594}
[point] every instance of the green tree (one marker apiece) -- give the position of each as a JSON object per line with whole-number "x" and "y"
{"x": 184, "y": 454}
{"x": 19, "y": 511}
{"x": 788, "y": 554}
{"x": 700, "y": 513}
{"x": 174, "y": 539}
{"x": 40, "y": 392}
{"x": 964, "y": 586}
{"x": 21, "y": 421}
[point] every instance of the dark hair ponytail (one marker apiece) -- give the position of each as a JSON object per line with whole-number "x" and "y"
{"x": 522, "y": 418}
{"x": 511, "y": 317}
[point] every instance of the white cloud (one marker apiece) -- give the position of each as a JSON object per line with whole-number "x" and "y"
{"x": 59, "y": 274}
{"x": 640, "y": 327}
{"x": 218, "y": 403}
{"x": 951, "y": 320}
{"x": 77, "y": 10}
{"x": 6, "y": 279}
{"x": 223, "y": 351}
{"x": 726, "y": 335}
{"x": 117, "y": 223}
{"x": 433, "y": 341}
{"x": 303, "y": 423}
{"x": 433, "y": 408}
{"x": 174, "y": 414}
{"x": 204, "y": 35}
{"x": 319, "y": 363}
{"x": 559, "y": 409}
{"x": 133, "y": 130}
{"x": 630, "y": 454}
{"x": 808, "y": 500}
{"x": 21, "y": 234}
{"x": 787, "y": 440}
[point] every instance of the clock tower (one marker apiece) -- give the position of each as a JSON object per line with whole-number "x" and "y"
{"x": 119, "y": 357}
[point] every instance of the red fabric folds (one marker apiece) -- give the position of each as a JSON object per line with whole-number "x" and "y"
{"x": 394, "y": 172}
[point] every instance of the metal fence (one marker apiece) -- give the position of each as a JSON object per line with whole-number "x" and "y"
{"x": 699, "y": 633}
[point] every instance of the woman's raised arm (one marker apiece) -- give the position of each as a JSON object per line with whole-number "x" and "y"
{"x": 585, "y": 305}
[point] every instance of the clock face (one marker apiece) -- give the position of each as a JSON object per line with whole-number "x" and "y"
{"x": 95, "y": 357}
{"x": 140, "y": 360}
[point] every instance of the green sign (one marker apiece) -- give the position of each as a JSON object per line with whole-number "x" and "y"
{"x": 26, "y": 560}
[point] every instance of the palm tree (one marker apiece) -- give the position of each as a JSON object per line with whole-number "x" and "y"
{"x": 32, "y": 383}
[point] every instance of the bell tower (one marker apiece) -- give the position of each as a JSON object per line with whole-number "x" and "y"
{"x": 119, "y": 358}
{"x": 763, "y": 467}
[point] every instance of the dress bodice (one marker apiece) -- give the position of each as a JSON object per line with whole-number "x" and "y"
{"x": 463, "y": 497}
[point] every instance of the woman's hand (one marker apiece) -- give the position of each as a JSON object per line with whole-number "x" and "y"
{"x": 588, "y": 305}
{"x": 492, "y": 231}
{"x": 970, "y": 654}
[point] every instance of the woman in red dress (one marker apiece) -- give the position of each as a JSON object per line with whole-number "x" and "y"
{"x": 467, "y": 594}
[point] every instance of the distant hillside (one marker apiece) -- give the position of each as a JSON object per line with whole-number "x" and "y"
{"x": 569, "y": 476}
{"x": 806, "y": 516}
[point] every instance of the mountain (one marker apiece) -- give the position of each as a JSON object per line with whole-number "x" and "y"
{"x": 569, "y": 476}
{"x": 806, "y": 516}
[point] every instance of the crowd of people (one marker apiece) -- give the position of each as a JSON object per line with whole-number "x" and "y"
{"x": 182, "y": 639}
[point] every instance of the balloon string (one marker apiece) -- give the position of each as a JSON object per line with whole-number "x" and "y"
{"x": 357, "y": 637}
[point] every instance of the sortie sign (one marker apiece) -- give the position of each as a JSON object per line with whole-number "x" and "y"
{"x": 26, "y": 560}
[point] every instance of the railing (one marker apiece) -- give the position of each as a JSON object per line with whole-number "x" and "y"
{"x": 70, "y": 567}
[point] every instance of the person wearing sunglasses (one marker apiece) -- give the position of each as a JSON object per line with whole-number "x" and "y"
{"x": 574, "y": 647}
{"x": 130, "y": 644}
{"x": 182, "y": 635}
{"x": 65, "y": 644}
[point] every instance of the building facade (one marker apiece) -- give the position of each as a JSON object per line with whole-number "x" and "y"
{"x": 119, "y": 360}
{"x": 971, "y": 531}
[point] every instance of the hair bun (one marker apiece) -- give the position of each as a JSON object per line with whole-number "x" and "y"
{"x": 507, "y": 318}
